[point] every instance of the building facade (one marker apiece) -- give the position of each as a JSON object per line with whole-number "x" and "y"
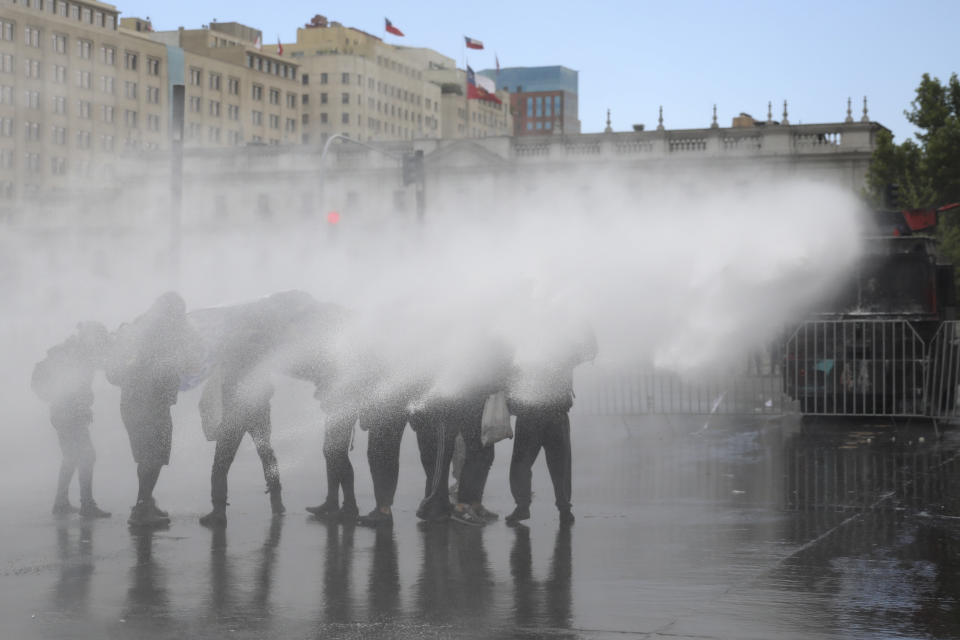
{"x": 235, "y": 93}
{"x": 543, "y": 99}
{"x": 78, "y": 94}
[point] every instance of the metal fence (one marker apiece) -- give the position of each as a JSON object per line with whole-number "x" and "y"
{"x": 942, "y": 383}
{"x": 866, "y": 368}
{"x": 648, "y": 391}
{"x": 856, "y": 367}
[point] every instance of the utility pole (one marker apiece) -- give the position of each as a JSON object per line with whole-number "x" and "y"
{"x": 414, "y": 173}
{"x": 176, "y": 182}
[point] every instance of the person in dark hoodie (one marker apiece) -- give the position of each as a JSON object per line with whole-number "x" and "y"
{"x": 150, "y": 356}
{"x": 541, "y": 395}
{"x": 64, "y": 379}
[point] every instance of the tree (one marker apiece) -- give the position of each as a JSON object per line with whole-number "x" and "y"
{"x": 927, "y": 170}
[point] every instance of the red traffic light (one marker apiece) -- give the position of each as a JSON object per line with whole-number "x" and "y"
{"x": 333, "y": 217}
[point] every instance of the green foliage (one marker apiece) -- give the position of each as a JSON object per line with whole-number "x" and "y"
{"x": 928, "y": 169}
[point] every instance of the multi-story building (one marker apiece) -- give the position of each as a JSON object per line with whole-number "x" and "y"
{"x": 77, "y": 93}
{"x": 354, "y": 84}
{"x": 544, "y": 99}
{"x": 236, "y": 93}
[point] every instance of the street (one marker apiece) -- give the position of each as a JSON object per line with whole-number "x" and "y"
{"x": 736, "y": 529}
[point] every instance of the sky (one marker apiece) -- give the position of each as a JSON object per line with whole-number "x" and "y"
{"x": 635, "y": 55}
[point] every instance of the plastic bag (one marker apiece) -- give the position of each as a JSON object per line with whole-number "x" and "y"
{"x": 211, "y": 405}
{"x": 495, "y": 424}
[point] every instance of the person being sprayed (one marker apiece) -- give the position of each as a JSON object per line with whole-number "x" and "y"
{"x": 149, "y": 358}
{"x": 64, "y": 379}
{"x": 541, "y": 395}
{"x": 337, "y": 441}
{"x": 246, "y": 390}
{"x": 456, "y": 408}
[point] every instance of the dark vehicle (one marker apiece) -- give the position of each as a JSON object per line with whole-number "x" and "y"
{"x": 866, "y": 350}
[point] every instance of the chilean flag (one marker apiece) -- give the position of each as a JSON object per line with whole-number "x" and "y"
{"x": 279, "y": 46}
{"x": 475, "y": 92}
{"x": 392, "y": 29}
{"x": 473, "y": 44}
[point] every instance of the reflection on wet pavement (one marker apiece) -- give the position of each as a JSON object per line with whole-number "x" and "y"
{"x": 760, "y": 529}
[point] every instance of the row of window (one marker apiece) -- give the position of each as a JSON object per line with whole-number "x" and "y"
{"x": 32, "y": 69}
{"x": 84, "y": 48}
{"x": 233, "y": 87}
{"x": 548, "y": 125}
{"x": 539, "y": 106}
{"x": 74, "y": 11}
{"x": 273, "y": 67}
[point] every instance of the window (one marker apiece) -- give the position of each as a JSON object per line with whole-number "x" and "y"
{"x": 84, "y": 79}
{"x": 32, "y": 130}
{"x": 59, "y": 43}
{"x": 6, "y": 127}
{"x": 323, "y": 98}
{"x": 529, "y": 108}
{"x": 153, "y": 66}
{"x": 257, "y": 118}
{"x": 106, "y": 113}
{"x": 323, "y": 118}
{"x": 291, "y": 125}
{"x": 323, "y": 78}
{"x": 153, "y": 95}
{"x": 345, "y": 98}
{"x": 539, "y": 110}
{"x": 274, "y": 121}
{"x": 214, "y": 108}
{"x": 31, "y": 37}
{"x": 84, "y": 47}
{"x": 292, "y": 100}
{"x": 195, "y": 76}
{"x": 108, "y": 55}
{"x": 130, "y": 118}
{"x": 130, "y": 61}
{"x": 6, "y": 94}
{"x": 305, "y": 99}
{"x": 7, "y": 29}
{"x": 214, "y": 81}
{"x": 31, "y": 68}
{"x": 60, "y": 105}
{"x": 130, "y": 90}
{"x": 345, "y": 118}
{"x": 274, "y": 96}
{"x": 233, "y": 112}
{"x": 83, "y": 139}
{"x": 234, "y": 137}
{"x": 106, "y": 84}
{"x": 75, "y": 11}
{"x": 305, "y": 78}
{"x": 59, "y": 74}
{"x": 58, "y": 166}
{"x": 153, "y": 122}
{"x": 233, "y": 86}
{"x": 195, "y": 104}
{"x": 546, "y": 106}
{"x": 32, "y": 99}
{"x": 6, "y": 63}
{"x": 345, "y": 78}
{"x": 32, "y": 163}
{"x": 257, "y": 92}
{"x": 59, "y": 135}
{"x": 86, "y": 16}
{"x": 84, "y": 109}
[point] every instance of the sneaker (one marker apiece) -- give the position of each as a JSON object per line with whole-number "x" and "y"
{"x": 467, "y": 516}
{"x": 485, "y": 513}
{"x": 567, "y": 517}
{"x": 433, "y": 513}
{"x": 63, "y": 508}
{"x": 325, "y": 510}
{"x": 152, "y": 504}
{"x": 91, "y": 510}
{"x": 376, "y": 518}
{"x": 348, "y": 513}
{"x": 216, "y": 518}
{"x": 520, "y": 513}
{"x": 142, "y": 515}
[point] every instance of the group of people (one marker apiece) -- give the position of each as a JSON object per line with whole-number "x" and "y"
{"x": 235, "y": 351}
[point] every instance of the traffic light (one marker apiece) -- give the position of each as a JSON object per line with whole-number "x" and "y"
{"x": 413, "y": 168}
{"x": 892, "y": 195}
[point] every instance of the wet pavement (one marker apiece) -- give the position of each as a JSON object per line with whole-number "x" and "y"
{"x": 745, "y": 529}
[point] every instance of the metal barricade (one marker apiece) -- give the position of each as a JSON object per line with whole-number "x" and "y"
{"x": 943, "y": 395}
{"x": 856, "y": 368}
{"x": 649, "y": 391}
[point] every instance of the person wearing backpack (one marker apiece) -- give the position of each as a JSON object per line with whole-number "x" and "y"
{"x": 64, "y": 379}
